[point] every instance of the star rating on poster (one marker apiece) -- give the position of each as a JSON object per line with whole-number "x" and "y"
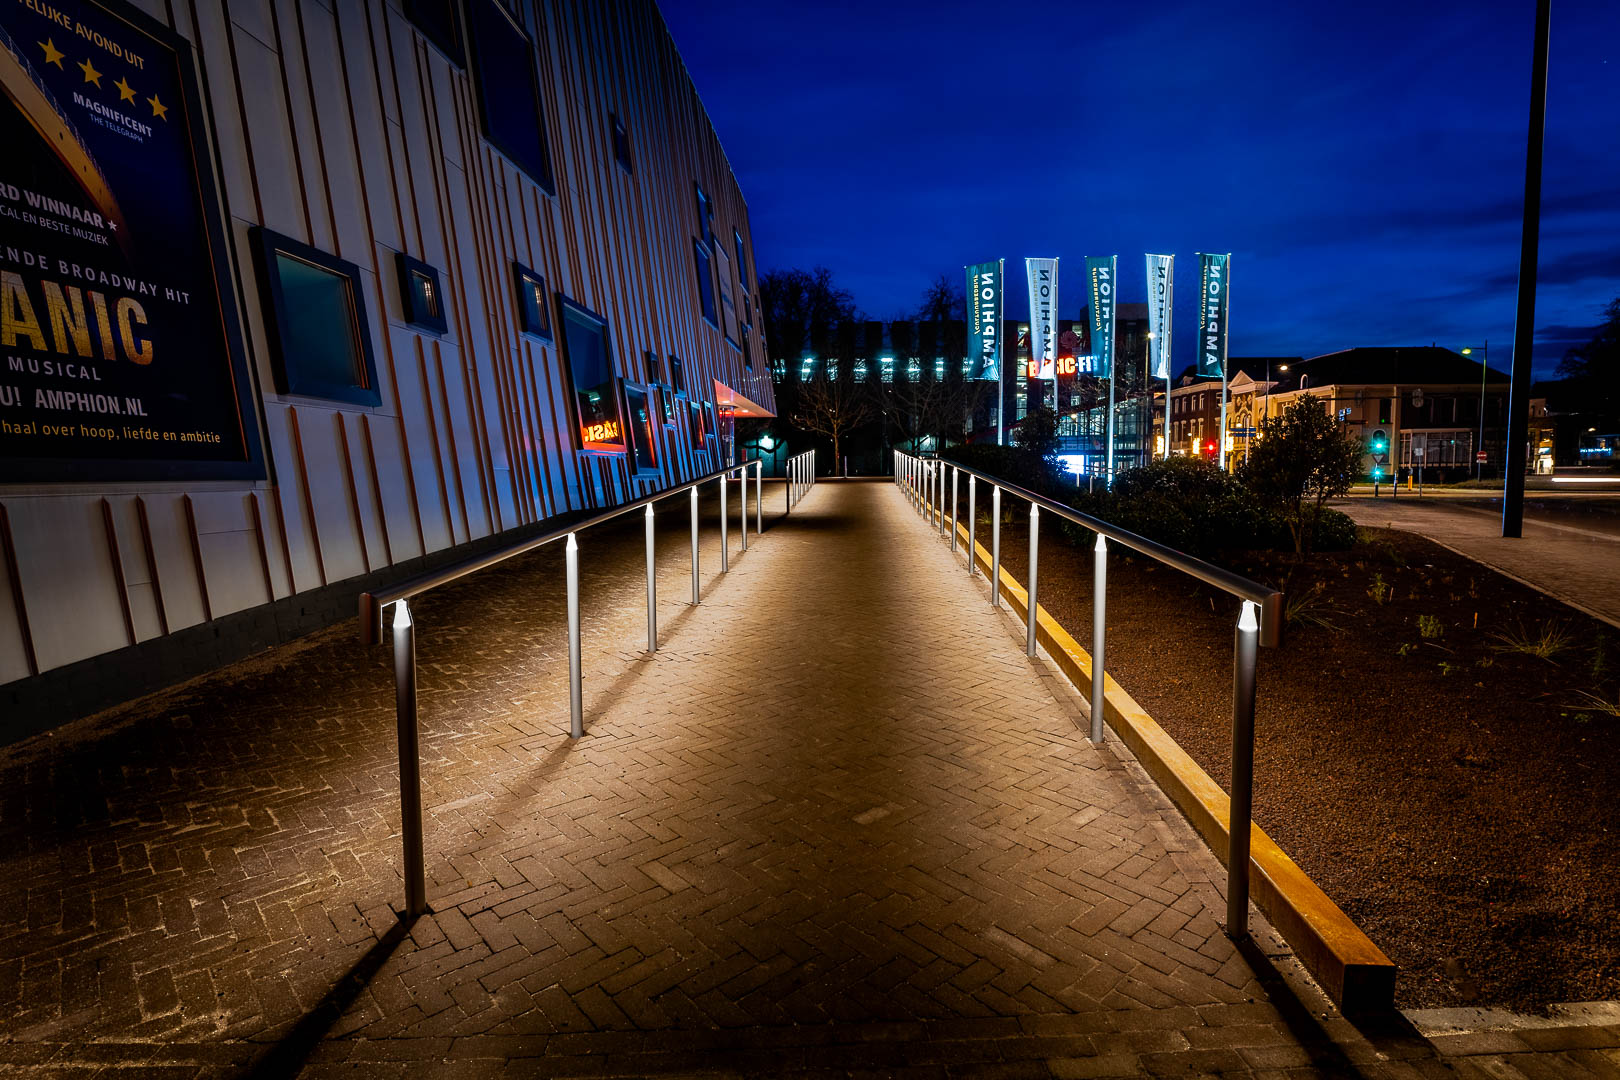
{"x": 126, "y": 92}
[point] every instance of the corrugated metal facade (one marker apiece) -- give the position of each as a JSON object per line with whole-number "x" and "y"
{"x": 341, "y": 126}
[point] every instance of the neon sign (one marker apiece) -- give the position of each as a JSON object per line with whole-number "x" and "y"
{"x": 603, "y": 436}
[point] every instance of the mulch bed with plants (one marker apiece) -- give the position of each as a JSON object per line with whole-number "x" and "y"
{"x": 1437, "y": 745}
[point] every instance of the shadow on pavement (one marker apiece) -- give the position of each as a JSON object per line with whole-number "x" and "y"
{"x": 289, "y": 1055}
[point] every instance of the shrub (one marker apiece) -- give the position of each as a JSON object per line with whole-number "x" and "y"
{"x": 1546, "y": 642}
{"x": 1013, "y": 464}
{"x": 1430, "y": 626}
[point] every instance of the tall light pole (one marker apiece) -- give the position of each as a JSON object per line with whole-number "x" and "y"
{"x": 1524, "y": 322}
{"x": 1479, "y": 354}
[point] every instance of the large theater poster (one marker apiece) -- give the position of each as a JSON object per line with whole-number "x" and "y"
{"x": 120, "y": 351}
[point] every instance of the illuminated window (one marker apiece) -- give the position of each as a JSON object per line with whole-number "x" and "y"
{"x": 886, "y": 368}
{"x": 697, "y": 425}
{"x": 642, "y": 428}
{"x": 967, "y": 368}
{"x": 939, "y": 369}
{"x": 534, "y": 306}
{"x": 509, "y": 90}
{"x": 860, "y": 371}
{"x": 589, "y": 358}
{"x": 913, "y": 370}
{"x": 320, "y": 344}
{"x": 439, "y": 24}
{"x": 420, "y": 294}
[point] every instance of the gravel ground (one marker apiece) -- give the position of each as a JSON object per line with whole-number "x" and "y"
{"x": 1454, "y": 794}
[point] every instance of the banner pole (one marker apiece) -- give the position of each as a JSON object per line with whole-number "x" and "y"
{"x": 1001, "y": 364}
{"x": 1226, "y": 339}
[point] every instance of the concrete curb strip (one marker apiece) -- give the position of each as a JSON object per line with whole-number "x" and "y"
{"x": 1353, "y": 971}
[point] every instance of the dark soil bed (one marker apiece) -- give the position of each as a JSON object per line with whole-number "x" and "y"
{"x": 1455, "y": 796}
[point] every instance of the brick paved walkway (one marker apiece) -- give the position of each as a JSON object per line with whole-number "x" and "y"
{"x": 839, "y": 824}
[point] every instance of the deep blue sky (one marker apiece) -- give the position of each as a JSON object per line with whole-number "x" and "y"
{"x": 1363, "y": 162}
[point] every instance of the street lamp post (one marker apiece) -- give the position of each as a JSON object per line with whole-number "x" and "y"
{"x": 1479, "y": 464}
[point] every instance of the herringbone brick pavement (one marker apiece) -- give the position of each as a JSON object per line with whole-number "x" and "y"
{"x": 839, "y": 822}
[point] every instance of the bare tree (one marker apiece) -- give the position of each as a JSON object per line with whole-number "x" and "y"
{"x": 834, "y": 405}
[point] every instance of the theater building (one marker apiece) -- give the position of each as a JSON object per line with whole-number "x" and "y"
{"x": 296, "y": 299}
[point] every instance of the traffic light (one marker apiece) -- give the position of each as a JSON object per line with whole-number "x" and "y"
{"x": 1377, "y": 473}
{"x": 1380, "y": 442}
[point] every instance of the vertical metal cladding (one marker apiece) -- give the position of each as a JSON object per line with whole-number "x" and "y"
{"x": 351, "y": 132}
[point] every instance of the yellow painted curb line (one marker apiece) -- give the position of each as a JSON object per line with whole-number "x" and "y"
{"x": 1355, "y": 973}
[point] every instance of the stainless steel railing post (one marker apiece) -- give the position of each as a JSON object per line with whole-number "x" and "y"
{"x": 956, "y": 476}
{"x": 725, "y": 526}
{"x": 1099, "y": 633}
{"x": 652, "y": 587}
{"x": 1246, "y": 641}
{"x": 995, "y": 545}
{"x": 939, "y": 489}
{"x": 695, "y": 584}
{"x": 1034, "y": 557}
{"x": 742, "y": 506}
{"x": 973, "y": 520}
{"x": 410, "y": 760}
{"x": 759, "y": 497}
{"x": 576, "y": 702}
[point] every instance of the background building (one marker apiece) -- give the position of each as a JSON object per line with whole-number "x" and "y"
{"x": 449, "y": 270}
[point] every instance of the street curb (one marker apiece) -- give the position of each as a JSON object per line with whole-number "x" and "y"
{"x": 1353, "y": 971}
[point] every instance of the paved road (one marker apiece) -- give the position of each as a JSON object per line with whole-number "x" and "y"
{"x": 838, "y": 823}
{"x": 1565, "y": 556}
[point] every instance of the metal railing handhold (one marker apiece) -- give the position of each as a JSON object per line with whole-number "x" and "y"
{"x": 801, "y": 475}
{"x": 373, "y": 604}
{"x": 1259, "y": 623}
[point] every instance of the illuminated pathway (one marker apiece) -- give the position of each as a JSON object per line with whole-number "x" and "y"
{"x": 839, "y": 823}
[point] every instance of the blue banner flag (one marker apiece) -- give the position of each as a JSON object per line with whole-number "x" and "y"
{"x": 1214, "y": 297}
{"x": 984, "y": 317}
{"x": 1100, "y": 275}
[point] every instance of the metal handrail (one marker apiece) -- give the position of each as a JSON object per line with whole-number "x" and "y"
{"x": 1259, "y": 623}
{"x": 400, "y": 594}
{"x": 801, "y": 477}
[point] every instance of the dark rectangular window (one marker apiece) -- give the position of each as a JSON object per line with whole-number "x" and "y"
{"x": 621, "y": 146}
{"x": 705, "y": 281}
{"x": 420, "y": 293}
{"x": 642, "y": 428}
{"x": 742, "y": 263}
{"x": 695, "y": 422}
{"x": 705, "y": 214}
{"x": 315, "y": 321}
{"x": 677, "y": 378}
{"x": 509, "y": 89}
{"x": 589, "y": 356}
{"x": 666, "y": 398}
{"x": 534, "y": 303}
{"x": 439, "y": 24}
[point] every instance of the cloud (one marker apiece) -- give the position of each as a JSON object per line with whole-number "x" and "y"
{"x": 1602, "y": 264}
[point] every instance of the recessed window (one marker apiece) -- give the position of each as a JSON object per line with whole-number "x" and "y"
{"x": 316, "y": 324}
{"x": 705, "y": 214}
{"x": 420, "y": 293}
{"x": 534, "y": 303}
{"x": 509, "y": 89}
{"x": 641, "y": 428}
{"x": 589, "y": 357}
{"x": 437, "y": 21}
{"x": 677, "y": 378}
{"x": 742, "y": 263}
{"x": 666, "y": 398}
{"x": 695, "y": 423}
{"x": 649, "y": 359}
{"x": 621, "y": 146}
{"x": 705, "y": 282}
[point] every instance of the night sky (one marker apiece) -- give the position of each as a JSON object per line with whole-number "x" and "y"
{"x": 1364, "y": 163}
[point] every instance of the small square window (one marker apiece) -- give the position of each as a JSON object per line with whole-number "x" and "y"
{"x": 420, "y": 293}
{"x": 534, "y": 303}
{"x": 621, "y": 146}
{"x": 320, "y": 344}
{"x": 705, "y": 280}
{"x": 439, "y": 23}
